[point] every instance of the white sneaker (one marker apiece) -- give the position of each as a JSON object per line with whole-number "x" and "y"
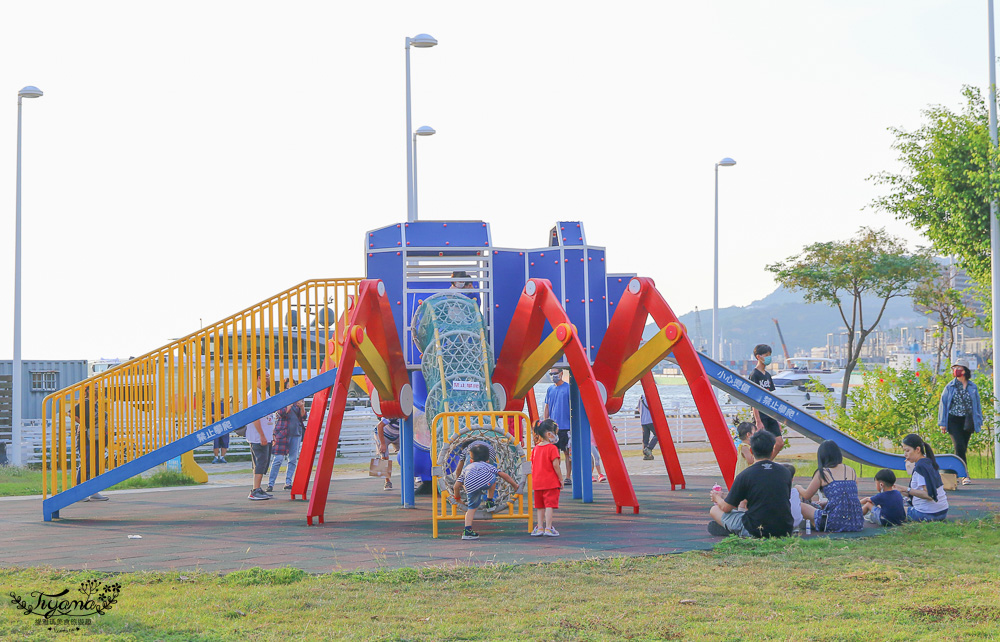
{"x": 97, "y": 497}
{"x": 537, "y": 532}
{"x": 551, "y": 532}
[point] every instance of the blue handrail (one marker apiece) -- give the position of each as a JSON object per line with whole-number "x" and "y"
{"x": 808, "y": 425}
{"x": 52, "y": 505}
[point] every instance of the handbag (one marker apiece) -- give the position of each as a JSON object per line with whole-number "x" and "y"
{"x": 970, "y": 423}
{"x": 380, "y": 468}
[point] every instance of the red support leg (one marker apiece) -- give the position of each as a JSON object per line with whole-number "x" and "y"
{"x": 662, "y": 428}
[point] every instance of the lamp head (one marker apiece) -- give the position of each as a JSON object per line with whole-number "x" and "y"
{"x": 425, "y": 131}
{"x": 30, "y": 92}
{"x": 726, "y": 162}
{"x": 422, "y": 40}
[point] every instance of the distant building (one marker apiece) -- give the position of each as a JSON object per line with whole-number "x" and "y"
{"x": 38, "y": 379}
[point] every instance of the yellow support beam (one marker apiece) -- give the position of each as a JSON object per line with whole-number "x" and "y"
{"x": 546, "y": 354}
{"x": 372, "y": 363}
{"x": 647, "y": 356}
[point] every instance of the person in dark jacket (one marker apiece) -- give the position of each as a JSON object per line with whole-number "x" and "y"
{"x": 960, "y": 413}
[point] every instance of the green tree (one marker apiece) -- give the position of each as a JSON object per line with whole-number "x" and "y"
{"x": 842, "y": 273}
{"x": 893, "y": 403}
{"x": 935, "y": 297}
{"x": 947, "y": 184}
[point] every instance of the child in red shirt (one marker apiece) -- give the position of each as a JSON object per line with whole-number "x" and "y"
{"x": 547, "y": 479}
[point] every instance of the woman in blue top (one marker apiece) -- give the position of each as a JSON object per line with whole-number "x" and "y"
{"x": 842, "y": 512}
{"x": 960, "y": 412}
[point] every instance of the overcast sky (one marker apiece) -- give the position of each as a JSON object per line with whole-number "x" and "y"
{"x": 189, "y": 159}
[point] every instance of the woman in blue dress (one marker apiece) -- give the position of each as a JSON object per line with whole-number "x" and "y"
{"x": 841, "y": 513}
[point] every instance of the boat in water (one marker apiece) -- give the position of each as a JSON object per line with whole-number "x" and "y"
{"x": 801, "y": 381}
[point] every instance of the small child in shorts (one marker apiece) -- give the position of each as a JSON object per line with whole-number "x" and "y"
{"x": 478, "y": 479}
{"x": 546, "y": 477}
{"x": 886, "y": 508}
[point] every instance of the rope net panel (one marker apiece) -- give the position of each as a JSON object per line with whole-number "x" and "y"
{"x": 456, "y": 363}
{"x": 506, "y": 454}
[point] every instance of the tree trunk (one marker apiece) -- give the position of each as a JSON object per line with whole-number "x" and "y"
{"x": 848, "y": 369}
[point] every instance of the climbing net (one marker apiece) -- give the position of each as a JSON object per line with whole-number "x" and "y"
{"x": 508, "y": 456}
{"x": 448, "y": 329}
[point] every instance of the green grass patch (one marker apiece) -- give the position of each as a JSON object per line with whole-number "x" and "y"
{"x": 916, "y": 582}
{"x": 16, "y": 481}
{"x": 257, "y": 576}
{"x": 159, "y": 479}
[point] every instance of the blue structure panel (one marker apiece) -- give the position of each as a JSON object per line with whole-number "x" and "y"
{"x": 388, "y": 266}
{"x": 617, "y": 284}
{"x": 570, "y": 233}
{"x": 447, "y": 233}
{"x": 597, "y": 287}
{"x": 546, "y": 264}
{"x": 574, "y": 292}
{"x": 509, "y": 277}
{"x": 385, "y": 237}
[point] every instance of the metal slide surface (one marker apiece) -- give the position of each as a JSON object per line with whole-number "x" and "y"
{"x": 52, "y": 505}
{"x": 808, "y": 425}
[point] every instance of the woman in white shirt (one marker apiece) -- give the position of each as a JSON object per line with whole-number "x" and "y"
{"x": 928, "y": 501}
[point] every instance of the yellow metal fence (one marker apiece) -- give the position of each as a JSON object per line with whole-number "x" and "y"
{"x": 150, "y": 401}
{"x": 503, "y": 428}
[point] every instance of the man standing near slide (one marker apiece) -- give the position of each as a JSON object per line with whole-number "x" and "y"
{"x": 557, "y": 409}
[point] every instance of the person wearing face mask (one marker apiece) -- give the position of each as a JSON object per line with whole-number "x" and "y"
{"x": 761, "y": 377}
{"x": 960, "y": 412}
{"x": 557, "y": 409}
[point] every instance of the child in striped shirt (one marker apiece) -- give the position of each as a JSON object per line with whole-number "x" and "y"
{"x": 478, "y": 479}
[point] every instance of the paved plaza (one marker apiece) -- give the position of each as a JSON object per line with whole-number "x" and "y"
{"x": 215, "y": 528}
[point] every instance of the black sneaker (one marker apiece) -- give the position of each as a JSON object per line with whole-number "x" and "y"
{"x": 490, "y": 505}
{"x": 568, "y": 482}
{"x": 269, "y": 489}
{"x": 257, "y": 495}
{"x": 716, "y": 529}
{"x": 287, "y": 487}
{"x": 387, "y": 485}
{"x": 468, "y": 533}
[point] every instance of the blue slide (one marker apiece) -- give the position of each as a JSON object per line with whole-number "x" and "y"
{"x": 809, "y": 426}
{"x": 52, "y": 505}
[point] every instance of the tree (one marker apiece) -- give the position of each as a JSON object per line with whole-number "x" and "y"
{"x": 935, "y": 296}
{"x": 946, "y": 188}
{"x": 840, "y": 274}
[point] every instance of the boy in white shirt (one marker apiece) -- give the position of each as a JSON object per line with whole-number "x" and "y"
{"x": 259, "y": 435}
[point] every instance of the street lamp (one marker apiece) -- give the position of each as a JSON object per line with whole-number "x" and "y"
{"x": 422, "y": 41}
{"x": 725, "y": 162}
{"x": 27, "y": 92}
{"x": 422, "y": 131}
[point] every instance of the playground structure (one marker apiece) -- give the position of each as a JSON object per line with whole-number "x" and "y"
{"x": 541, "y": 307}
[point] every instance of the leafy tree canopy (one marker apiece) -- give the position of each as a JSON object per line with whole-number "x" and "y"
{"x": 843, "y": 273}
{"x": 947, "y": 184}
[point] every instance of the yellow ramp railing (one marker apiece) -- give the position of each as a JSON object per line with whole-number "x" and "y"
{"x": 150, "y": 401}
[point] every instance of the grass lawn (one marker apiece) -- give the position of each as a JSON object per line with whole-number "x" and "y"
{"x": 24, "y": 481}
{"x": 918, "y": 582}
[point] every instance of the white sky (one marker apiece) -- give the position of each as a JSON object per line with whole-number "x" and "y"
{"x": 189, "y": 159}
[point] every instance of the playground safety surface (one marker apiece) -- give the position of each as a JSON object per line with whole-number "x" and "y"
{"x": 215, "y": 528}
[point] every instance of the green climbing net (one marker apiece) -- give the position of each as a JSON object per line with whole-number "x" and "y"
{"x": 448, "y": 329}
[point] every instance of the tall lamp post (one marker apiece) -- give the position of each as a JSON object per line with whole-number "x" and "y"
{"x": 27, "y": 92}
{"x": 421, "y": 131}
{"x": 422, "y": 41}
{"x": 716, "y": 348}
{"x": 994, "y": 241}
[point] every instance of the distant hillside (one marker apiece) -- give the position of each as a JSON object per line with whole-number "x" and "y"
{"x": 804, "y": 325}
